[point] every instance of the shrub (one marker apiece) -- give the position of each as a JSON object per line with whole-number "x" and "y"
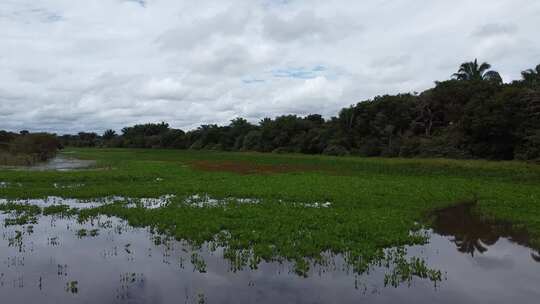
{"x": 530, "y": 149}
{"x": 197, "y": 145}
{"x": 252, "y": 141}
{"x": 335, "y": 150}
{"x": 370, "y": 147}
{"x": 41, "y": 145}
{"x": 281, "y": 150}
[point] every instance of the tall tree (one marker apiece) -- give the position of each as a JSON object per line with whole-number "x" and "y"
{"x": 474, "y": 71}
{"x": 109, "y": 134}
{"x": 532, "y": 76}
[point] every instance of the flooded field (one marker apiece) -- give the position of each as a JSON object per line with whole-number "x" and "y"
{"x": 61, "y": 259}
{"x": 169, "y": 226}
{"x": 61, "y": 162}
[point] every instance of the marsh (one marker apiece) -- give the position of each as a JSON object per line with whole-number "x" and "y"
{"x": 157, "y": 226}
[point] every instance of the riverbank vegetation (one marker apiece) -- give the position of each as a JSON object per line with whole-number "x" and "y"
{"x": 26, "y": 148}
{"x": 473, "y": 115}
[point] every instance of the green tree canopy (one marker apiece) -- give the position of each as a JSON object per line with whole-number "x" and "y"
{"x": 472, "y": 71}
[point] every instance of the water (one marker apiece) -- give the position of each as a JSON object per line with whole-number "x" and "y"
{"x": 59, "y": 260}
{"x": 195, "y": 201}
{"x": 149, "y": 202}
{"x": 61, "y": 162}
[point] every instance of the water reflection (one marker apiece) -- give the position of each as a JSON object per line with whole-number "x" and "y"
{"x": 474, "y": 234}
{"x": 59, "y": 163}
{"x": 51, "y": 201}
{"x": 58, "y": 255}
{"x": 194, "y": 201}
{"x": 58, "y": 259}
{"x": 63, "y": 163}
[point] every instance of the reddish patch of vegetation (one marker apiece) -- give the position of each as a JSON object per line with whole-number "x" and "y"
{"x": 249, "y": 168}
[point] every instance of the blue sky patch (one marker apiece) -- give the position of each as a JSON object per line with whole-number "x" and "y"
{"x": 300, "y": 72}
{"x": 252, "y": 81}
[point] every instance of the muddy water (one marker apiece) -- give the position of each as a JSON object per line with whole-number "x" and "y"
{"x": 61, "y": 163}
{"x": 58, "y": 260}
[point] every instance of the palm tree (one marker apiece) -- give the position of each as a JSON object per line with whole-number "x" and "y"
{"x": 532, "y": 76}
{"x": 109, "y": 134}
{"x": 474, "y": 71}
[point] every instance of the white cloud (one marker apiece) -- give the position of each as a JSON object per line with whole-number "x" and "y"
{"x": 495, "y": 29}
{"x": 166, "y": 88}
{"x": 68, "y": 66}
{"x": 306, "y": 27}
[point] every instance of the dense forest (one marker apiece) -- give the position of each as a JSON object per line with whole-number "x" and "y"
{"x": 472, "y": 115}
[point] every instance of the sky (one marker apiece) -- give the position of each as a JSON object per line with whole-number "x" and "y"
{"x": 68, "y": 66}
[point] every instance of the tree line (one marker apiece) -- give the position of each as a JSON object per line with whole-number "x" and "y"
{"x": 27, "y": 148}
{"x": 472, "y": 115}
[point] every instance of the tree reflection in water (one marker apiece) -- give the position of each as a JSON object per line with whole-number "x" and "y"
{"x": 536, "y": 256}
{"x": 473, "y": 234}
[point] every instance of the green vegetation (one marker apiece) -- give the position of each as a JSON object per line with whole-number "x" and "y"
{"x": 72, "y": 287}
{"x": 81, "y": 233}
{"x": 62, "y": 210}
{"x": 480, "y": 72}
{"x": 475, "y": 115}
{"x": 374, "y": 202}
{"x": 21, "y": 214}
{"x": 26, "y": 148}
{"x": 302, "y": 208}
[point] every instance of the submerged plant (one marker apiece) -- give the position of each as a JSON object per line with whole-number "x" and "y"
{"x": 62, "y": 210}
{"x": 406, "y": 269}
{"x": 82, "y": 233}
{"x": 72, "y": 287}
{"x": 198, "y": 263}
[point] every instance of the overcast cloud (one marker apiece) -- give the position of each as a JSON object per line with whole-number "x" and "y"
{"x": 68, "y": 66}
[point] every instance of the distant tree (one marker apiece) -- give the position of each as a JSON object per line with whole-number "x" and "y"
{"x": 531, "y": 77}
{"x": 240, "y": 124}
{"x": 470, "y": 116}
{"x": 6, "y": 136}
{"x": 428, "y": 115}
{"x": 473, "y": 71}
{"x": 109, "y": 135}
{"x": 41, "y": 145}
{"x": 234, "y": 135}
{"x": 86, "y": 139}
{"x": 144, "y": 135}
{"x": 529, "y": 149}
{"x": 449, "y": 98}
{"x": 315, "y": 119}
{"x": 173, "y": 138}
{"x": 314, "y": 141}
{"x": 490, "y": 126}
{"x": 252, "y": 141}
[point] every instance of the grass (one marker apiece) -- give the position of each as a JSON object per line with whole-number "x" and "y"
{"x": 376, "y": 202}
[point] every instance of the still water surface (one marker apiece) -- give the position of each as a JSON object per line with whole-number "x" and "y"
{"x": 59, "y": 260}
{"x": 62, "y": 162}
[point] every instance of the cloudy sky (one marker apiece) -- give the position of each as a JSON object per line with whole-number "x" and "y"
{"x": 67, "y": 66}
